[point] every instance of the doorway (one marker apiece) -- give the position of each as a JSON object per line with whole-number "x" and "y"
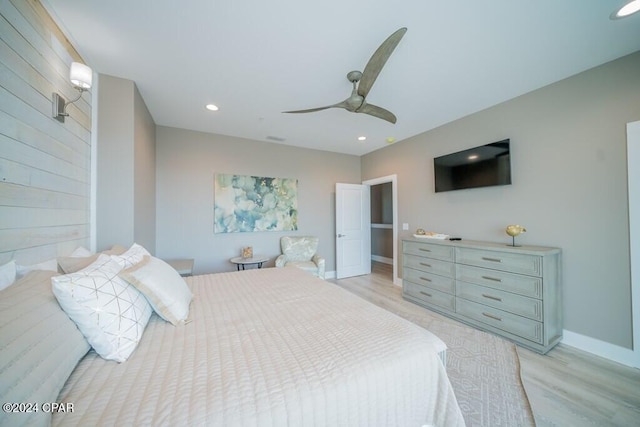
{"x": 384, "y": 221}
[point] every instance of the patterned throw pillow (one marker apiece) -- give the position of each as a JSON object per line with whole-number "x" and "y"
{"x": 131, "y": 257}
{"x": 109, "y": 312}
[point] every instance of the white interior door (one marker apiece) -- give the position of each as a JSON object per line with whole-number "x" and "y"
{"x": 353, "y": 230}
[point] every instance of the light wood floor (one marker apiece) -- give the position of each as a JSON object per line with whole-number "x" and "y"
{"x": 566, "y": 387}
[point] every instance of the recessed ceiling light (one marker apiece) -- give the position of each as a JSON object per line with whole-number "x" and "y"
{"x": 390, "y": 140}
{"x": 472, "y": 157}
{"x": 628, "y": 9}
{"x": 211, "y": 107}
{"x": 362, "y": 138}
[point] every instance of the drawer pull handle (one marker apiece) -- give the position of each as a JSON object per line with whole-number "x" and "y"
{"x": 426, "y": 279}
{"x": 424, "y": 250}
{"x": 491, "y": 259}
{"x": 425, "y": 264}
{"x": 424, "y": 293}
{"x": 492, "y": 278}
{"x": 491, "y": 316}
{"x": 492, "y": 297}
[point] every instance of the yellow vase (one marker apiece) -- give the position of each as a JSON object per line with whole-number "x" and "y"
{"x": 515, "y": 230}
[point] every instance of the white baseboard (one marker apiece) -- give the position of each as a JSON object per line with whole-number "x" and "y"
{"x": 329, "y": 274}
{"x": 382, "y": 259}
{"x": 604, "y": 349}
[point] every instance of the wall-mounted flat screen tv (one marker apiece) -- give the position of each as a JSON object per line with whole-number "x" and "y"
{"x": 482, "y": 166}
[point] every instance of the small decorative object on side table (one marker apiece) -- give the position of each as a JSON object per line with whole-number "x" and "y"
{"x": 256, "y": 259}
{"x": 247, "y": 252}
{"x": 513, "y": 231}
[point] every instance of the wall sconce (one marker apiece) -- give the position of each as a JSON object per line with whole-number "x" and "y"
{"x": 81, "y": 77}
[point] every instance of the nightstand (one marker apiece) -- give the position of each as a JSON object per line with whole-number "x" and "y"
{"x": 184, "y": 267}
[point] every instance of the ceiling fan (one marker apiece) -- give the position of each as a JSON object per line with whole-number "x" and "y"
{"x": 363, "y": 81}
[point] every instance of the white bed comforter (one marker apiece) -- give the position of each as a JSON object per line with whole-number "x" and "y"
{"x": 270, "y": 347}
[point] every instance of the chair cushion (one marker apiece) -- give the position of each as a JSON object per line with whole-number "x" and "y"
{"x": 299, "y": 248}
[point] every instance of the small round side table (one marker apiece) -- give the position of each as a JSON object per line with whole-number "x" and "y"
{"x": 256, "y": 259}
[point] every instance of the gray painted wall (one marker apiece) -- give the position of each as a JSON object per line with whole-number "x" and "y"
{"x": 125, "y": 203}
{"x": 115, "y": 190}
{"x": 187, "y": 162}
{"x": 569, "y": 186}
{"x": 144, "y": 201}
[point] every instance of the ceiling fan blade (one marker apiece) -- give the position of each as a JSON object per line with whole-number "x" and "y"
{"x": 377, "y": 61}
{"x": 379, "y": 112}
{"x": 311, "y": 110}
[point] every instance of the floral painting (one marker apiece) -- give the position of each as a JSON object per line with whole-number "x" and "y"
{"x": 245, "y": 203}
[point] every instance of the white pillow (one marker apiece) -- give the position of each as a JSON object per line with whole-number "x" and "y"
{"x": 7, "y": 274}
{"x": 109, "y": 312}
{"x": 48, "y": 265}
{"x": 81, "y": 252}
{"x": 131, "y": 257}
{"x": 167, "y": 292}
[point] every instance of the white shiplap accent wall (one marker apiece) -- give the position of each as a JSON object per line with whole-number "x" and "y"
{"x": 44, "y": 164}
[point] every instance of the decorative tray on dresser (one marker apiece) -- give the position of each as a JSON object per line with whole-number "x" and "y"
{"x": 511, "y": 291}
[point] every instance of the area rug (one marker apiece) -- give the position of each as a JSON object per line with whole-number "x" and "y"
{"x": 484, "y": 369}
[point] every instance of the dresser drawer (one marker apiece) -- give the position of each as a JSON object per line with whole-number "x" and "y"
{"x": 441, "y": 283}
{"x": 429, "y": 250}
{"x": 516, "y": 325}
{"x": 429, "y": 265}
{"x": 520, "y": 284}
{"x": 506, "y": 301}
{"x": 504, "y": 261}
{"x": 429, "y": 296}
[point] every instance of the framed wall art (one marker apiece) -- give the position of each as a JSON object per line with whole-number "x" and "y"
{"x": 244, "y": 203}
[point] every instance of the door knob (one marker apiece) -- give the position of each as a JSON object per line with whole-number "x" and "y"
{"x": 341, "y": 235}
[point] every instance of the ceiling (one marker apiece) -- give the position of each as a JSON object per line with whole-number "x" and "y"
{"x": 255, "y": 59}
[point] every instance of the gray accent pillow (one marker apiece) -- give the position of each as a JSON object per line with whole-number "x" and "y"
{"x": 39, "y": 347}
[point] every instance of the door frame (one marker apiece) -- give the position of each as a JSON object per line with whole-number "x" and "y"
{"x": 633, "y": 176}
{"x": 393, "y": 179}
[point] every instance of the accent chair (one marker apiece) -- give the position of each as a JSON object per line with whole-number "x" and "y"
{"x": 300, "y": 252}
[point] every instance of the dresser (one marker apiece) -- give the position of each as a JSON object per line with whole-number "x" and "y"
{"x": 514, "y": 292}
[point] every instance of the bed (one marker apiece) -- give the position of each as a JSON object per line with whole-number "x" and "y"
{"x": 264, "y": 347}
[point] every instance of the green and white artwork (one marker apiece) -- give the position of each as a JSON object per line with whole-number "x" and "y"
{"x": 245, "y": 203}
